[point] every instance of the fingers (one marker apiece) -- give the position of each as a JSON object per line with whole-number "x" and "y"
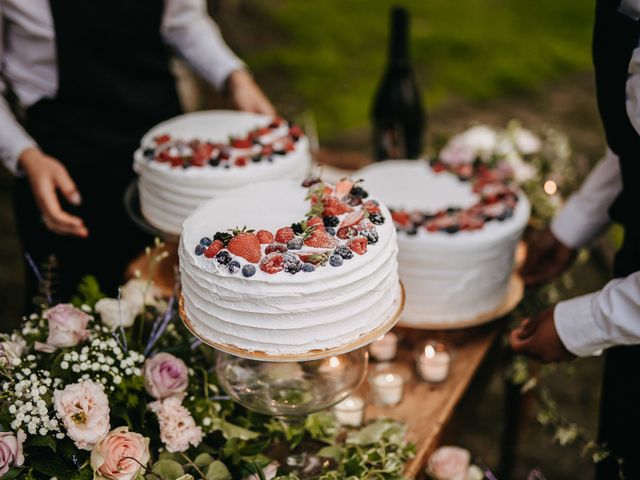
{"x": 56, "y": 219}
{"x": 67, "y": 186}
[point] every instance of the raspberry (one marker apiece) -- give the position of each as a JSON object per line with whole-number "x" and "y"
{"x": 275, "y": 247}
{"x": 358, "y": 245}
{"x": 272, "y": 263}
{"x": 265, "y": 236}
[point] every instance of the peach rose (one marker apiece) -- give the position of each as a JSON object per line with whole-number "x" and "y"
{"x": 178, "y": 429}
{"x": 449, "y": 463}
{"x": 84, "y": 410}
{"x": 165, "y": 376}
{"x": 67, "y": 325}
{"x": 120, "y": 455}
{"x": 11, "y": 450}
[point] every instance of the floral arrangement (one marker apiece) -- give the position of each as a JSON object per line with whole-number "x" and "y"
{"x": 114, "y": 388}
{"x": 541, "y": 163}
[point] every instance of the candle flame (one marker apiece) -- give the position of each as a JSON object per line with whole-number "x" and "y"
{"x": 550, "y": 187}
{"x": 429, "y": 351}
{"x": 389, "y": 377}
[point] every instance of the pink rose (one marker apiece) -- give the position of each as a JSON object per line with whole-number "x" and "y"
{"x": 165, "y": 375}
{"x": 178, "y": 429}
{"x": 11, "y": 450}
{"x": 84, "y": 410}
{"x": 67, "y": 325}
{"x": 120, "y": 455}
{"x": 449, "y": 463}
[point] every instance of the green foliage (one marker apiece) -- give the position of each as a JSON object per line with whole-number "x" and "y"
{"x": 88, "y": 292}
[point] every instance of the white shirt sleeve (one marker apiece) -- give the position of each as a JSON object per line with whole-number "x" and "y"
{"x": 611, "y": 316}
{"x": 630, "y": 8}
{"x": 13, "y": 138}
{"x": 192, "y": 33}
{"x": 586, "y": 212}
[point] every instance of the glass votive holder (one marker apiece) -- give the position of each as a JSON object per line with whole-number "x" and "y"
{"x": 385, "y": 347}
{"x": 433, "y": 361}
{"x": 350, "y": 411}
{"x": 386, "y": 384}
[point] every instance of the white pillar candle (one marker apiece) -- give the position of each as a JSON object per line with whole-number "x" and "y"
{"x": 387, "y": 388}
{"x": 385, "y": 347}
{"x": 434, "y": 364}
{"x": 350, "y": 411}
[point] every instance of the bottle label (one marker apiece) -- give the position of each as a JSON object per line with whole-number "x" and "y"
{"x": 392, "y": 144}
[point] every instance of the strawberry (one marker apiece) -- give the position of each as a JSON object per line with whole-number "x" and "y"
{"x": 276, "y": 122}
{"x": 346, "y": 232}
{"x": 295, "y": 131}
{"x": 352, "y": 219}
{"x": 438, "y": 167}
{"x": 176, "y": 160}
{"x": 371, "y": 206}
{"x": 284, "y": 234}
{"x": 401, "y": 218}
{"x": 265, "y": 236}
{"x": 213, "y": 249}
{"x": 314, "y": 258}
{"x": 276, "y": 247}
{"x": 202, "y": 154}
{"x": 241, "y": 143}
{"x": 315, "y": 221}
{"x": 272, "y": 263}
{"x": 160, "y": 139}
{"x": 343, "y": 187}
{"x": 334, "y": 207}
{"x": 358, "y": 244}
{"x": 246, "y": 245}
{"x": 241, "y": 161}
{"x": 319, "y": 238}
{"x": 163, "y": 156}
{"x": 267, "y": 150}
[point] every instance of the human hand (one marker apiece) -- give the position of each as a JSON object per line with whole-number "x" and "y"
{"x": 547, "y": 257}
{"x": 537, "y": 337}
{"x": 246, "y": 95}
{"x": 47, "y": 175}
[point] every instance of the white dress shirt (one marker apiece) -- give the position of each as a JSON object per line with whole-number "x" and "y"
{"x": 28, "y": 57}
{"x": 611, "y": 316}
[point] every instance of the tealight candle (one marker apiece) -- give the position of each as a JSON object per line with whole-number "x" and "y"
{"x": 388, "y": 388}
{"x": 350, "y": 411}
{"x": 332, "y": 366}
{"x": 434, "y": 363}
{"x": 385, "y": 347}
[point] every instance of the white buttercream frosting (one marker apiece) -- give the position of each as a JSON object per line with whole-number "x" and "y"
{"x": 283, "y": 313}
{"x": 168, "y": 194}
{"x": 448, "y": 278}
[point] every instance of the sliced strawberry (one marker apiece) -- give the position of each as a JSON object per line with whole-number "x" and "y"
{"x": 334, "y": 207}
{"x": 315, "y": 221}
{"x": 272, "y": 263}
{"x": 241, "y": 143}
{"x": 371, "y": 206}
{"x": 213, "y": 249}
{"x": 247, "y": 246}
{"x": 202, "y": 154}
{"x": 345, "y": 233}
{"x": 314, "y": 258}
{"x": 240, "y": 162}
{"x": 163, "y": 156}
{"x": 352, "y": 219}
{"x": 160, "y": 139}
{"x": 358, "y": 244}
{"x": 319, "y": 238}
{"x": 265, "y": 236}
{"x": 176, "y": 160}
{"x": 276, "y": 247}
{"x": 343, "y": 187}
{"x": 469, "y": 221}
{"x": 284, "y": 234}
{"x": 401, "y": 218}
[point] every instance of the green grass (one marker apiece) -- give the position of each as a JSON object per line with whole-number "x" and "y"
{"x": 328, "y": 55}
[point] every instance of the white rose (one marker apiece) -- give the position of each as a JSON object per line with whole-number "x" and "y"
{"x": 522, "y": 170}
{"x": 12, "y": 349}
{"x": 115, "y": 313}
{"x": 526, "y": 142}
{"x": 140, "y": 292}
{"x": 479, "y": 141}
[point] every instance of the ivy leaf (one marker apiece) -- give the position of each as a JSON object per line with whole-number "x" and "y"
{"x": 203, "y": 460}
{"x": 42, "y": 441}
{"x": 50, "y": 465}
{"x": 12, "y": 473}
{"x": 167, "y": 469}
{"x": 331, "y": 451}
{"x": 218, "y": 471}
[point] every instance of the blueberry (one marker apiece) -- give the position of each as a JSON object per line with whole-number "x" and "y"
{"x": 451, "y": 229}
{"x": 331, "y": 231}
{"x": 270, "y": 159}
{"x": 344, "y": 252}
{"x": 205, "y": 241}
{"x": 223, "y": 257}
{"x": 233, "y": 266}
{"x": 371, "y": 234}
{"x": 331, "y": 221}
{"x": 248, "y": 270}
{"x": 200, "y": 249}
{"x": 336, "y": 260}
{"x": 376, "y": 218}
{"x": 308, "y": 267}
{"x": 295, "y": 244}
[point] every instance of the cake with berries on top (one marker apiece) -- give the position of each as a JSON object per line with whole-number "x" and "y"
{"x": 285, "y": 269}
{"x": 458, "y": 228}
{"x": 185, "y": 161}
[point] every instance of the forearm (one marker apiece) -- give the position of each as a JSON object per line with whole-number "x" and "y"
{"x": 14, "y": 140}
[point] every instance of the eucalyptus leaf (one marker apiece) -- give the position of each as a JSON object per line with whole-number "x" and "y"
{"x": 218, "y": 471}
{"x": 167, "y": 469}
{"x": 203, "y": 460}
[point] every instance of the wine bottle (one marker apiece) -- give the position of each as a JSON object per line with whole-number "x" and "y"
{"x": 398, "y": 116}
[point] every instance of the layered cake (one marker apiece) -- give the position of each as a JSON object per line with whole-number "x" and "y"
{"x": 284, "y": 269}
{"x": 458, "y": 228}
{"x": 186, "y": 161}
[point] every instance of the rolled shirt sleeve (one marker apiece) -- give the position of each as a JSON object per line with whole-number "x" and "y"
{"x": 609, "y": 317}
{"x": 192, "y": 33}
{"x": 585, "y": 214}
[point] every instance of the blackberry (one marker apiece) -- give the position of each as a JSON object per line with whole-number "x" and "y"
{"x": 451, "y": 229}
{"x": 371, "y": 235}
{"x": 200, "y": 249}
{"x": 344, "y": 252}
{"x": 308, "y": 267}
{"x": 412, "y": 231}
{"x": 331, "y": 221}
{"x": 336, "y": 260}
{"x": 256, "y": 158}
{"x": 248, "y": 270}
{"x": 297, "y": 228}
{"x": 149, "y": 153}
{"x": 280, "y": 151}
{"x": 214, "y": 162}
{"x": 358, "y": 191}
{"x": 233, "y": 266}
{"x": 205, "y": 241}
{"x": 292, "y": 264}
{"x": 376, "y": 218}
{"x": 331, "y": 231}
{"x": 223, "y": 257}
{"x": 224, "y": 237}
{"x": 295, "y": 244}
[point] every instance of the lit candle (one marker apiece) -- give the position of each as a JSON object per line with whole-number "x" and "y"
{"x": 434, "y": 363}
{"x": 350, "y": 411}
{"x": 388, "y": 388}
{"x": 385, "y": 347}
{"x": 332, "y": 366}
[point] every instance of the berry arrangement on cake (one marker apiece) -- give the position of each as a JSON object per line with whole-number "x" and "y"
{"x": 458, "y": 228}
{"x": 285, "y": 269}
{"x": 186, "y": 161}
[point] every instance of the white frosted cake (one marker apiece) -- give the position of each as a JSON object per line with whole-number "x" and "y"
{"x": 318, "y": 271}
{"x": 185, "y": 161}
{"x": 458, "y": 229}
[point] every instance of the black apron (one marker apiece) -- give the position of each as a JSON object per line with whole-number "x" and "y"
{"x": 615, "y": 37}
{"x": 114, "y": 84}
